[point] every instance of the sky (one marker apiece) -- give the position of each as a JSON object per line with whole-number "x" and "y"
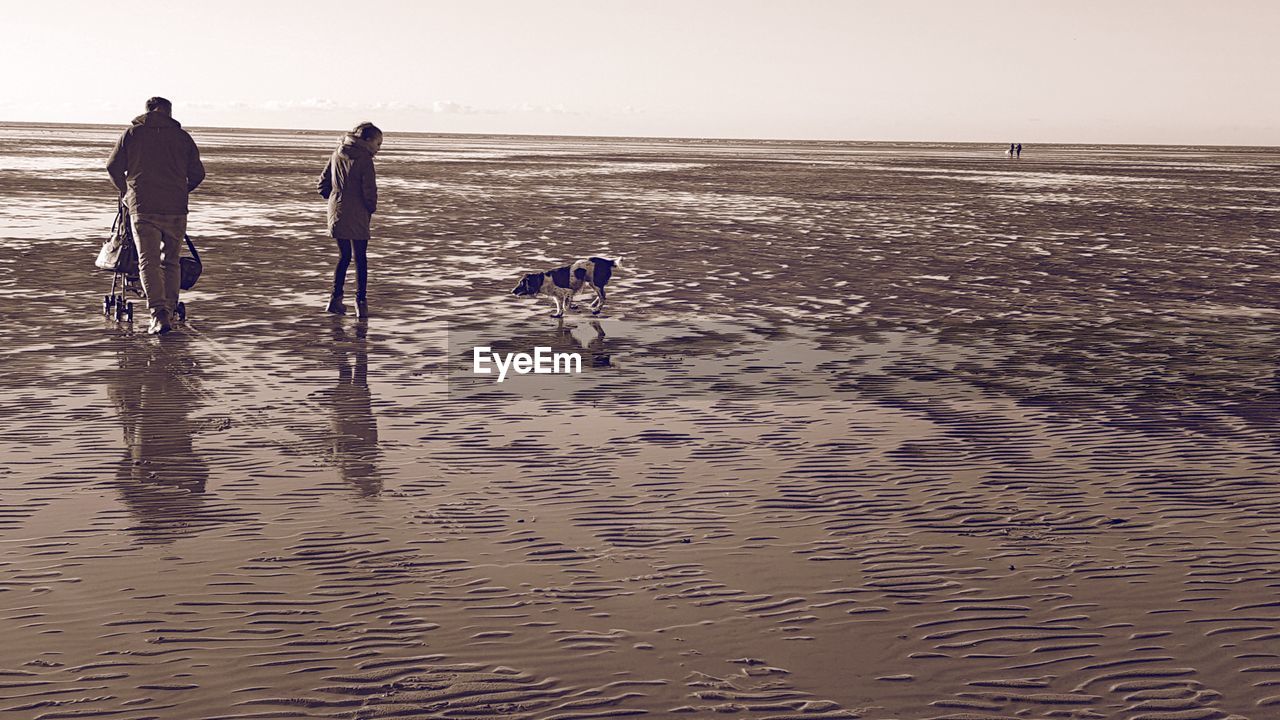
{"x": 1119, "y": 71}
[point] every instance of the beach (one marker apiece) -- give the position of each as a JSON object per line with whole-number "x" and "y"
{"x": 867, "y": 430}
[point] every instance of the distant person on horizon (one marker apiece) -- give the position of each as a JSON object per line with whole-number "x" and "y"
{"x": 1011, "y": 150}
{"x": 349, "y": 184}
{"x": 155, "y": 165}
{"x": 1019, "y": 153}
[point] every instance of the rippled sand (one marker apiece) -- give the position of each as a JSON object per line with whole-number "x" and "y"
{"x": 868, "y": 431}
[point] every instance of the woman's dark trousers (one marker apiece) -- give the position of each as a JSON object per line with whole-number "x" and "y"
{"x": 345, "y": 248}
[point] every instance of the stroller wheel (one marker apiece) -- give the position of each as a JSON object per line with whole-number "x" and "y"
{"x": 182, "y": 311}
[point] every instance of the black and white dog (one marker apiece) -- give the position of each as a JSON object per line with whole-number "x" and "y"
{"x": 564, "y": 282}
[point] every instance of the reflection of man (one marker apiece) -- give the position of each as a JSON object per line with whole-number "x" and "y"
{"x": 154, "y": 393}
{"x": 355, "y": 429}
{"x": 155, "y": 165}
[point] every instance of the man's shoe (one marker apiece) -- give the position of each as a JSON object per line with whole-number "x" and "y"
{"x": 335, "y": 305}
{"x": 362, "y": 308}
{"x": 159, "y": 324}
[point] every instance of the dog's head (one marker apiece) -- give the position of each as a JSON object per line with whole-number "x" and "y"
{"x": 529, "y": 285}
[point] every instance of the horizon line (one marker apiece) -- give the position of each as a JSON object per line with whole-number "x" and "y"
{"x": 425, "y": 133}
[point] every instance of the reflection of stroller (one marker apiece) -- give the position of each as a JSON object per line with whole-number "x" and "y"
{"x": 119, "y": 255}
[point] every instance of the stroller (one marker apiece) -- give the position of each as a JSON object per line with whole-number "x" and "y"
{"x": 119, "y": 256}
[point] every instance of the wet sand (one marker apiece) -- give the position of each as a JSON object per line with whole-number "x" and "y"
{"x": 868, "y": 431}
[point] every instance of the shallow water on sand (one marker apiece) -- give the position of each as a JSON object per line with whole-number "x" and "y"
{"x": 882, "y": 431}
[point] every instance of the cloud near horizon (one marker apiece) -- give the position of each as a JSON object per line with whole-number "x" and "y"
{"x": 437, "y": 107}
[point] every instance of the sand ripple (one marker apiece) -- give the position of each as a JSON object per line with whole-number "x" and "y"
{"x": 869, "y": 432}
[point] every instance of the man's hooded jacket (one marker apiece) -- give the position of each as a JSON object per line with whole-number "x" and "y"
{"x": 156, "y": 164}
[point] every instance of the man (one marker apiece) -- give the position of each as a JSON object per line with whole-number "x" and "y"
{"x": 349, "y": 184}
{"x": 155, "y": 165}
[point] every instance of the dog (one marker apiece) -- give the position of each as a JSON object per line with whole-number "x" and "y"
{"x": 562, "y": 283}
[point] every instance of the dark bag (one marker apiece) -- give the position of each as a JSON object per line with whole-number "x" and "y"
{"x": 191, "y": 266}
{"x": 118, "y": 252}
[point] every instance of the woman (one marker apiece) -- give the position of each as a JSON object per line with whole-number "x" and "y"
{"x": 349, "y": 184}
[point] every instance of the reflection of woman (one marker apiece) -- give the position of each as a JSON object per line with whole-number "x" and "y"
{"x": 355, "y": 430}
{"x": 161, "y": 478}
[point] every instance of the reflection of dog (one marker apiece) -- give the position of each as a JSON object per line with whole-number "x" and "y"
{"x": 566, "y": 281}
{"x": 563, "y": 336}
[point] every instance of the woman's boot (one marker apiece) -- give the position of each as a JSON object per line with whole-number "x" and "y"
{"x": 336, "y": 306}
